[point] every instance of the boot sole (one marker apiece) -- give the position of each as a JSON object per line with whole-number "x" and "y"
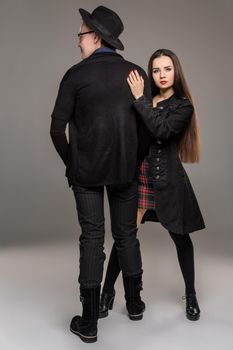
{"x": 192, "y": 318}
{"x": 85, "y": 338}
{"x": 136, "y": 317}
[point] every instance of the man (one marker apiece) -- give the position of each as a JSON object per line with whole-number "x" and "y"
{"x": 104, "y": 149}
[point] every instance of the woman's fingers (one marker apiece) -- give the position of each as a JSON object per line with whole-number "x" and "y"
{"x": 136, "y": 84}
{"x": 139, "y": 78}
{"x": 135, "y": 77}
{"x": 129, "y": 81}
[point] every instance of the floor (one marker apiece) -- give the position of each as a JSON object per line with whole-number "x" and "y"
{"x": 39, "y": 295}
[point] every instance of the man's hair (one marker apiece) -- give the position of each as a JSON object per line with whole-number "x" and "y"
{"x": 104, "y": 44}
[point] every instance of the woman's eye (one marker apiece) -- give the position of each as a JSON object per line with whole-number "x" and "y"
{"x": 155, "y": 71}
{"x": 168, "y": 69}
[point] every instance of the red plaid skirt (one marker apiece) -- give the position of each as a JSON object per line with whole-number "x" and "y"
{"x": 146, "y": 195}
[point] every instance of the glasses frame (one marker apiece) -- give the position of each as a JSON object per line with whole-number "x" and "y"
{"x": 80, "y": 34}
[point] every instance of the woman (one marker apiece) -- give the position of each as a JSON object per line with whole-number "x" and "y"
{"x": 165, "y": 192}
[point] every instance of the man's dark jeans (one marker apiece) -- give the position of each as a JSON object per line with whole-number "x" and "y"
{"x": 123, "y": 200}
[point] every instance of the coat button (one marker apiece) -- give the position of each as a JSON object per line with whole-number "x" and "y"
{"x": 157, "y": 177}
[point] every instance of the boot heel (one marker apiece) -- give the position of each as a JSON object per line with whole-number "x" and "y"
{"x": 111, "y": 303}
{"x": 106, "y": 304}
{"x": 85, "y": 339}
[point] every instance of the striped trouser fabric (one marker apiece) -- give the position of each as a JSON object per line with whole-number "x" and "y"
{"x": 123, "y": 202}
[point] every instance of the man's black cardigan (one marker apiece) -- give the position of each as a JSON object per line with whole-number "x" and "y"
{"x": 107, "y": 140}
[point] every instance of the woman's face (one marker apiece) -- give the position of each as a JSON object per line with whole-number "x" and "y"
{"x": 163, "y": 72}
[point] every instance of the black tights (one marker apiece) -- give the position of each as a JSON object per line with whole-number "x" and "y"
{"x": 184, "y": 248}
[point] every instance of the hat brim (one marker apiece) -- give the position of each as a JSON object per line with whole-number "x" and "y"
{"x": 86, "y": 16}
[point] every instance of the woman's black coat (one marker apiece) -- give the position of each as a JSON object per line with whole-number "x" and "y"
{"x": 176, "y": 205}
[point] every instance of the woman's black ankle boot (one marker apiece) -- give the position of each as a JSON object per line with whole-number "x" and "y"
{"x": 106, "y": 303}
{"x": 192, "y": 307}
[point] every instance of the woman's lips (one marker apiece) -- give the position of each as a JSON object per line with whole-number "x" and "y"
{"x": 163, "y": 82}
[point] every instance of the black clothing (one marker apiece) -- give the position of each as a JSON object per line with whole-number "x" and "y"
{"x": 85, "y": 327}
{"x": 107, "y": 139}
{"x": 176, "y": 206}
{"x": 106, "y": 23}
{"x": 123, "y": 211}
{"x": 107, "y": 142}
{"x": 184, "y": 248}
{"x": 134, "y": 304}
{"x": 185, "y": 253}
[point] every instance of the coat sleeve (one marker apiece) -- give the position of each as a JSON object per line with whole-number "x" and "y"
{"x": 62, "y": 113}
{"x": 161, "y": 126}
{"x": 144, "y": 136}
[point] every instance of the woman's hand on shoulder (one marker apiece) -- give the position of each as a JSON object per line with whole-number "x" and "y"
{"x": 136, "y": 84}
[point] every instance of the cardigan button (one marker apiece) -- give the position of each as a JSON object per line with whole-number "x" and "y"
{"x": 157, "y": 168}
{"x": 159, "y": 150}
{"x": 157, "y": 177}
{"x": 157, "y": 159}
{"x": 159, "y": 142}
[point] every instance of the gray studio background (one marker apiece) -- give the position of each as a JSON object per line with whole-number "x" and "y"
{"x": 39, "y": 43}
{"x": 39, "y": 228}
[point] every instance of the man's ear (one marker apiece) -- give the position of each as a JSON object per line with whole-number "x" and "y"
{"x": 97, "y": 39}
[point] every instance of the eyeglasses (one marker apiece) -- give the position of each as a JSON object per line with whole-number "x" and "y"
{"x": 80, "y": 34}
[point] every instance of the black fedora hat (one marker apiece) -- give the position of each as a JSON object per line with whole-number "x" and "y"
{"x": 106, "y": 23}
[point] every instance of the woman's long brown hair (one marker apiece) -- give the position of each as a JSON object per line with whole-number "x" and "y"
{"x": 189, "y": 144}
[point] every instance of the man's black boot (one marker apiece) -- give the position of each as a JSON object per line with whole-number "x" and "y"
{"x": 134, "y": 304}
{"x": 86, "y": 326}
